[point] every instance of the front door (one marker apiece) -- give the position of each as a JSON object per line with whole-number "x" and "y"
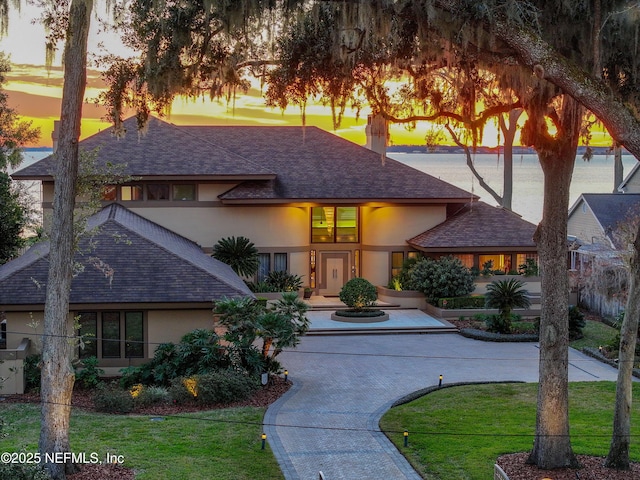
{"x": 334, "y": 273}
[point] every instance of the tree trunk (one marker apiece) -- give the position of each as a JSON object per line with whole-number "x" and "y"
{"x": 618, "y": 168}
{"x": 552, "y": 445}
{"x": 508, "y": 134}
{"x": 57, "y": 372}
{"x": 618, "y": 456}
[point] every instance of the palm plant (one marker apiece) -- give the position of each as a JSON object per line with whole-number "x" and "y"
{"x": 505, "y": 295}
{"x": 239, "y": 253}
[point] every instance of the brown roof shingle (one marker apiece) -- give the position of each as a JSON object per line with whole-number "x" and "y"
{"x": 478, "y": 225}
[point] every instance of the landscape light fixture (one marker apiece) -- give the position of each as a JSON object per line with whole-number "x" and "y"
{"x": 264, "y": 440}
{"x": 440, "y": 381}
{"x": 286, "y": 375}
{"x": 406, "y": 438}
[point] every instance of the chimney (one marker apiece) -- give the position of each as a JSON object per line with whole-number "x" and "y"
{"x": 54, "y": 134}
{"x": 377, "y": 134}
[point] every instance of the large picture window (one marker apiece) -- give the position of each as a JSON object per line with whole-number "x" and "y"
{"x": 334, "y": 225}
{"x": 112, "y": 334}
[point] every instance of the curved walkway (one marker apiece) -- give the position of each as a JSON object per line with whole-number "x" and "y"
{"x": 328, "y": 421}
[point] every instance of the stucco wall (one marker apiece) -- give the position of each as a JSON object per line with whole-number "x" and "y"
{"x": 375, "y": 266}
{"x": 393, "y": 225}
{"x": 265, "y": 226}
{"x": 18, "y": 327}
{"x": 171, "y": 325}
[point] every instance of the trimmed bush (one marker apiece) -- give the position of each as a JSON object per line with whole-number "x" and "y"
{"x": 358, "y": 294}
{"x": 452, "y": 303}
{"x": 180, "y": 393}
{"x": 225, "y": 386}
{"x": 88, "y": 373}
{"x": 23, "y": 471}
{"x": 445, "y": 277}
{"x": 111, "y": 399}
{"x": 152, "y": 395}
{"x": 576, "y": 322}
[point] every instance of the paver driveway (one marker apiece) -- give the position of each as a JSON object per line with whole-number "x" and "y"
{"x": 344, "y": 384}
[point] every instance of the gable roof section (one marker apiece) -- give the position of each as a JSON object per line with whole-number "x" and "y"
{"x": 163, "y": 151}
{"x": 609, "y": 209}
{"x": 314, "y": 165}
{"x": 149, "y": 264}
{"x": 478, "y": 226}
{"x": 630, "y": 176}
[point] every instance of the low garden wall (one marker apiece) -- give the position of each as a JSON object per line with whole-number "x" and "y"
{"x": 404, "y": 298}
{"x": 12, "y": 368}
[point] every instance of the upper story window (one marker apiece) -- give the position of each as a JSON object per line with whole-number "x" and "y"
{"x": 151, "y": 192}
{"x": 184, "y": 192}
{"x": 131, "y": 192}
{"x": 334, "y": 225}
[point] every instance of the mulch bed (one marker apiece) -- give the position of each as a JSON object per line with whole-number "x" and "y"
{"x": 592, "y": 469}
{"x": 82, "y": 399}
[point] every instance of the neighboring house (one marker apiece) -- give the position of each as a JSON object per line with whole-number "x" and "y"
{"x": 597, "y": 270}
{"x": 631, "y": 183}
{"x": 314, "y": 204}
{"x": 135, "y": 281}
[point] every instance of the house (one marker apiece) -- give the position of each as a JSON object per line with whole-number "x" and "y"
{"x": 597, "y": 270}
{"x": 313, "y": 204}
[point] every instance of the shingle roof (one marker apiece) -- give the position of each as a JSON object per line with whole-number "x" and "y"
{"x": 278, "y": 164}
{"x": 163, "y": 150}
{"x": 610, "y": 209}
{"x": 476, "y": 226}
{"x": 312, "y": 164}
{"x": 150, "y": 264}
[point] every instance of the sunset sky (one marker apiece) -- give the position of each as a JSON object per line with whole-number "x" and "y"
{"x": 35, "y": 93}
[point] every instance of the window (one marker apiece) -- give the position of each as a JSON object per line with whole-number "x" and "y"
{"x": 466, "y": 259}
{"x": 397, "y": 259}
{"x": 264, "y": 266}
{"x": 184, "y": 192}
{"x": 280, "y": 262}
{"x": 111, "y": 334}
{"x": 109, "y": 193}
{"x": 131, "y": 192}
{"x": 157, "y": 191}
{"x": 102, "y": 334}
{"x": 134, "y": 338}
{"x": 334, "y": 225}
{"x": 88, "y": 333}
{"x": 3, "y": 334}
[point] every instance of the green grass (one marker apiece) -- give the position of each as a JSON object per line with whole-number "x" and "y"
{"x": 221, "y": 444}
{"x": 457, "y": 433}
{"x": 595, "y": 335}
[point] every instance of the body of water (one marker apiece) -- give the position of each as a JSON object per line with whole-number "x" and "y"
{"x": 594, "y": 176}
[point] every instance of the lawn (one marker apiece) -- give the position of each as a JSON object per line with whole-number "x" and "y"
{"x": 221, "y": 444}
{"x": 459, "y": 432}
{"x": 595, "y": 334}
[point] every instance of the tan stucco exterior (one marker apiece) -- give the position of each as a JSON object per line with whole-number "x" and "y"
{"x": 171, "y": 325}
{"x": 393, "y": 225}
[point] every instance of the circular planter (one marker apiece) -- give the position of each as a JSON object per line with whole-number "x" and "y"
{"x": 372, "y": 316}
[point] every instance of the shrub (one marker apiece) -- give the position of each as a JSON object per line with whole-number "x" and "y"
{"x": 358, "y": 294}
{"x": 477, "y": 301}
{"x": 179, "y": 392}
{"x": 404, "y": 277}
{"x": 282, "y": 281}
{"x": 151, "y": 395}
{"x": 239, "y": 253}
{"x": 23, "y": 471}
{"x": 529, "y": 268}
{"x": 487, "y": 268}
{"x": 497, "y": 323}
{"x": 111, "y": 399}
{"x": 445, "y": 277}
{"x": 32, "y": 372}
{"x": 576, "y": 322}
{"x": 88, "y": 373}
{"x": 506, "y": 295}
{"x": 225, "y": 386}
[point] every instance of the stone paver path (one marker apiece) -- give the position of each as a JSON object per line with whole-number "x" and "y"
{"x": 328, "y": 421}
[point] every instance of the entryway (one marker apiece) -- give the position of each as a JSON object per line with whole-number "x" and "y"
{"x": 334, "y": 272}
